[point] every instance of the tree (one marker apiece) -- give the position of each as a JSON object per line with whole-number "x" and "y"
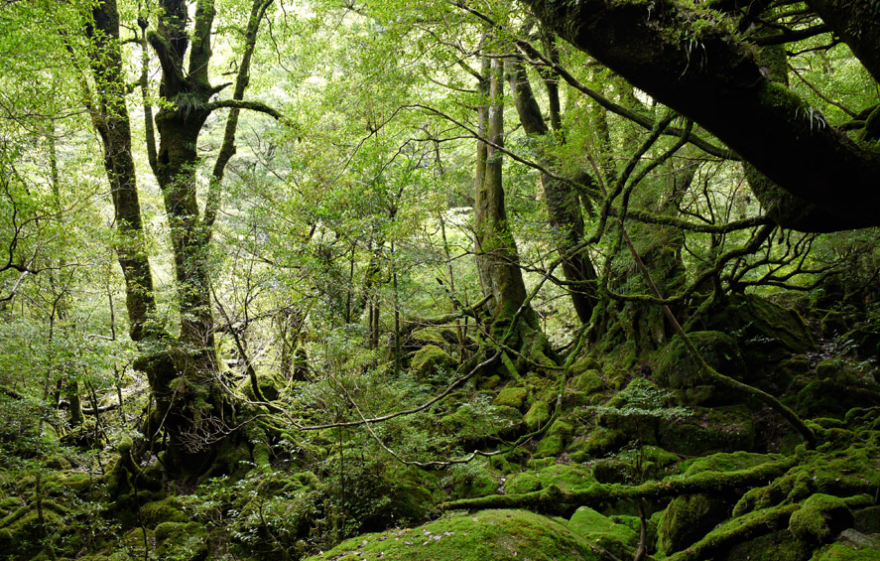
{"x": 704, "y": 62}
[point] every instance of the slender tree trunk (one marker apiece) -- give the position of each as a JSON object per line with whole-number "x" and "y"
{"x": 495, "y": 242}
{"x": 110, "y": 118}
{"x": 563, "y": 205}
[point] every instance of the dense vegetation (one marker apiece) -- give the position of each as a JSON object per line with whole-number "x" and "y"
{"x": 439, "y": 279}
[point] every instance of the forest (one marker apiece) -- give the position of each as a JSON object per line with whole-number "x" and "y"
{"x": 440, "y": 280}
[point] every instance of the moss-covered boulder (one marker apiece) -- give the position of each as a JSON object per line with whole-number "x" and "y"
{"x": 765, "y": 330}
{"x": 512, "y": 396}
{"x": 618, "y": 539}
{"x": 553, "y": 443}
{"x": 820, "y": 518}
{"x": 186, "y": 541}
{"x": 520, "y": 483}
{"x": 706, "y": 430}
{"x": 431, "y": 360}
{"x": 166, "y": 510}
{"x": 475, "y": 424}
{"x": 688, "y": 518}
{"x": 490, "y": 535}
{"x": 678, "y": 369}
{"x": 776, "y": 546}
{"x": 846, "y": 552}
{"x": 537, "y": 415}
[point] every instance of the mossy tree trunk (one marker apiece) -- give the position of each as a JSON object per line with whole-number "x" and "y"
{"x": 562, "y": 200}
{"x": 110, "y": 118}
{"x": 496, "y": 248}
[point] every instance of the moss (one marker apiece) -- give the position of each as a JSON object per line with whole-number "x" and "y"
{"x": 430, "y": 360}
{"x": 583, "y": 365}
{"x": 550, "y": 446}
{"x": 776, "y": 546}
{"x": 566, "y": 477}
{"x": 718, "y": 429}
{"x": 618, "y": 539}
{"x": 687, "y": 519}
{"x": 846, "y": 552}
{"x": 589, "y": 382}
{"x": 511, "y": 396}
{"x": 726, "y": 462}
{"x": 473, "y": 480}
{"x": 472, "y": 425}
{"x": 604, "y": 440}
{"x": 737, "y": 536}
{"x": 538, "y": 415}
{"x": 178, "y": 540}
{"x": 167, "y": 510}
{"x": 820, "y": 517}
{"x": 491, "y": 535}
{"x": 678, "y": 369}
{"x": 766, "y": 330}
{"x": 520, "y": 483}
{"x": 867, "y": 520}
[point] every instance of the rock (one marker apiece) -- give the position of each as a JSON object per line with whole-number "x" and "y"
{"x": 618, "y": 539}
{"x": 519, "y": 483}
{"x": 867, "y": 520}
{"x": 537, "y": 416}
{"x": 820, "y": 518}
{"x": 431, "y": 360}
{"x": 489, "y": 535}
{"x": 678, "y": 369}
{"x": 511, "y": 396}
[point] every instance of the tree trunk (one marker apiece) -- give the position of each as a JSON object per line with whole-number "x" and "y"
{"x": 110, "y": 118}
{"x": 563, "y": 206}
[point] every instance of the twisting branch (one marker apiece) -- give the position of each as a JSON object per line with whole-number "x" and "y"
{"x": 240, "y": 104}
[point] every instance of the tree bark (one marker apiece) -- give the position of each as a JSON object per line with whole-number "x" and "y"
{"x": 563, "y": 205}
{"x": 110, "y": 118}
{"x": 714, "y": 78}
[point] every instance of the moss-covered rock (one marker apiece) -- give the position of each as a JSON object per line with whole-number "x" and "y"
{"x": 565, "y": 476}
{"x": 718, "y": 429}
{"x": 765, "y": 329}
{"x": 553, "y": 443}
{"x": 820, "y": 518}
{"x": 846, "y": 552}
{"x": 616, "y": 538}
{"x": 588, "y": 382}
{"x": 776, "y": 546}
{"x": 678, "y": 369}
{"x": 511, "y": 396}
{"x": 185, "y": 541}
{"x": 538, "y": 415}
{"x": 520, "y": 483}
{"x": 431, "y": 360}
{"x": 867, "y": 520}
{"x": 473, "y": 425}
{"x": 166, "y": 510}
{"x": 490, "y": 535}
{"x": 688, "y": 518}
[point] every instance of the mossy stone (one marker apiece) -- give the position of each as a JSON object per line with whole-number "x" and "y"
{"x": 550, "y": 446}
{"x": 618, "y": 539}
{"x": 167, "y": 510}
{"x": 538, "y": 415}
{"x": 583, "y": 365}
{"x": 867, "y": 520}
{"x": 677, "y": 368}
{"x": 778, "y": 546}
{"x": 431, "y": 360}
{"x": 821, "y": 516}
{"x": 846, "y": 552}
{"x": 687, "y": 519}
{"x": 520, "y": 483}
{"x": 187, "y": 541}
{"x": 719, "y": 429}
{"x": 489, "y": 535}
{"x": 589, "y": 382}
{"x": 565, "y": 476}
{"x": 511, "y": 396}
